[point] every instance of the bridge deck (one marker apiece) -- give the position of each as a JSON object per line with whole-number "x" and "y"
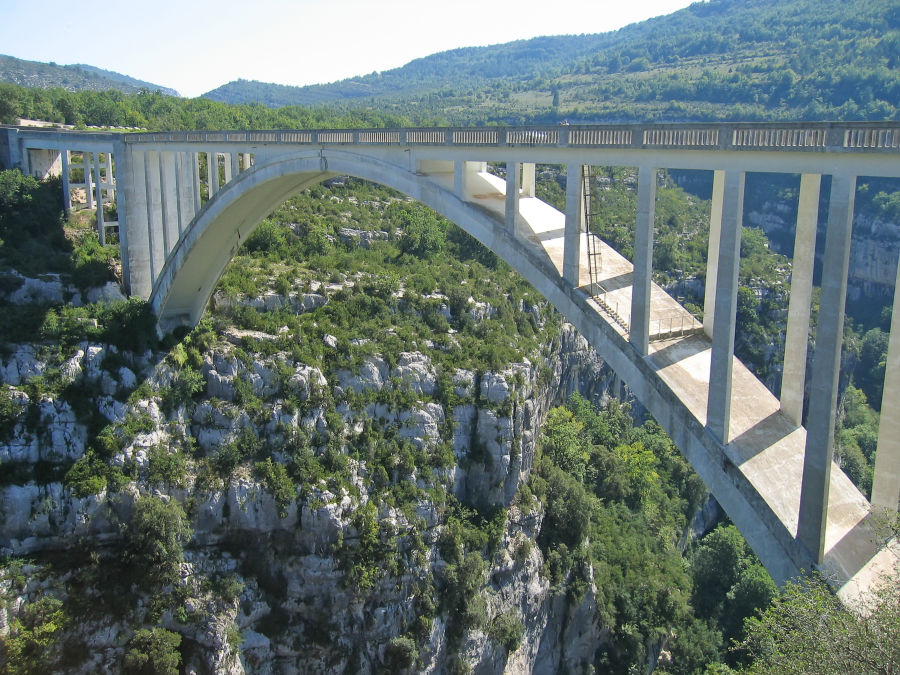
{"x": 763, "y": 444}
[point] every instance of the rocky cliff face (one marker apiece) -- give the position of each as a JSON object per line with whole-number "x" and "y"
{"x": 292, "y": 608}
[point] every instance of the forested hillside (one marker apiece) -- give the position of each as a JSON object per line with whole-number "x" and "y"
{"x": 723, "y": 59}
{"x": 78, "y": 77}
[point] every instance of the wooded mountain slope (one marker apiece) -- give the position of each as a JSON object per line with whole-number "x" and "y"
{"x": 755, "y": 59}
{"x": 78, "y": 77}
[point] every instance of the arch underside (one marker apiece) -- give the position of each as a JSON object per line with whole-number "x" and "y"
{"x": 183, "y": 289}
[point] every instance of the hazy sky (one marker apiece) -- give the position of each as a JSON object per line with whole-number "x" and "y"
{"x": 197, "y": 46}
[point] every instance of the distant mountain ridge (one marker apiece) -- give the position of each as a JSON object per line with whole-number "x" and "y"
{"x": 78, "y": 77}
{"x": 119, "y": 77}
{"x": 721, "y": 59}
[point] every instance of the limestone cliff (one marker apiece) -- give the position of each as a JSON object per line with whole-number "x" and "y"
{"x": 290, "y": 607}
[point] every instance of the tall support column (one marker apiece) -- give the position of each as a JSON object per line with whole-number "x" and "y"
{"x": 512, "y": 196}
{"x": 101, "y": 225}
{"x": 185, "y": 176}
{"x": 121, "y": 208}
{"x": 235, "y": 164}
{"x": 245, "y": 161}
{"x": 67, "y": 193}
{"x": 574, "y": 224}
{"x": 793, "y": 381}
{"x": 86, "y": 168}
{"x": 712, "y": 258}
{"x": 718, "y": 409}
{"x": 198, "y": 201}
{"x": 169, "y": 199}
{"x": 228, "y": 165}
{"x": 459, "y": 179}
{"x": 212, "y": 172}
{"x": 527, "y": 179}
{"x": 886, "y": 486}
{"x": 155, "y": 214}
{"x": 639, "y": 334}
{"x": 133, "y": 172}
{"x": 826, "y": 368}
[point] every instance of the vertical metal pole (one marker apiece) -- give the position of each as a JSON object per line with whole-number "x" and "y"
{"x": 826, "y": 368}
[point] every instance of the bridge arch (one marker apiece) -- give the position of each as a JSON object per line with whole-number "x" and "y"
{"x": 182, "y": 291}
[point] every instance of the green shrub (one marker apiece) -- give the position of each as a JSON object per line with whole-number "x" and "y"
{"x": 153, "y": 652}
{"x": 400, "y": 653}
{"x": 87, "y": 476}
{"x": 507, "y": 629}
{"x": 278, "y": 483}
{"x": 154, "y": 540}
{"x": 166, "y": 467}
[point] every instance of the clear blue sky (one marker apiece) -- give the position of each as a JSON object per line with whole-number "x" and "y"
{"x": 196, "y": 46}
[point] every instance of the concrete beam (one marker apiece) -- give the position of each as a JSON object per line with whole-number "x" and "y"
{"x": 718, "y": 409}
{"x": 574, "y": 224}
{"x": 712, "y": 258}
{"x": 512, "y": 195}
{"x": 826, "y": 368}
{"x": 886, "y": 486}
{"x": 639, "y": 334}
{"x": 793, "y": 381}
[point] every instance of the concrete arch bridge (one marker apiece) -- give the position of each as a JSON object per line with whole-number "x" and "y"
{"x": 774, "y": 477}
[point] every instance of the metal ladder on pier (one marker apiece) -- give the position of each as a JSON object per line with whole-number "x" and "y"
{"x": 594, "y": 255}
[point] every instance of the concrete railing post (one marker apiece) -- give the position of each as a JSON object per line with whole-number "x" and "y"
{"x": 886, "y": 486}
{"x": 712, "y": 258}
{"x": 793, "y": 382}
{"x": 826, "y": 368}
{"x": 718, "y": 409}
{"x": 574, "y": 224}
{"x": 643, "y": 260}
{"x": 512, "y": 196}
